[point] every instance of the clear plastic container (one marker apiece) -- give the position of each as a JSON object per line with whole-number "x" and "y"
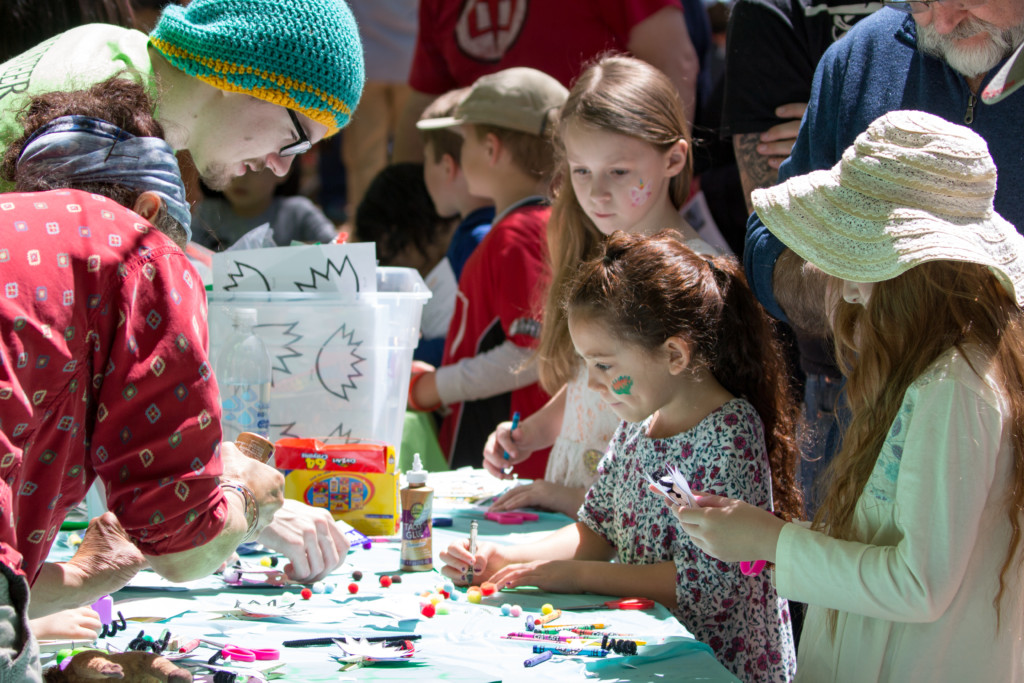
{"x": 340, "y": 368}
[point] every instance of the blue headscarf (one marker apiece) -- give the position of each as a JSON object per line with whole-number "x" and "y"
{"x": 85, "y": 149}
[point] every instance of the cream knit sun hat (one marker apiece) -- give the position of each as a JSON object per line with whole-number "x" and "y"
{"x": 912, "y": 188}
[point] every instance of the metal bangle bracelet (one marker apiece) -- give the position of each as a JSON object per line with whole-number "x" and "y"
{"x": 249, "y": 500}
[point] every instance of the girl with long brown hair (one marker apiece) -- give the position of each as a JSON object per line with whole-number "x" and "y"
{"x": 624, "y": 164}
{"x": 912, "y": 567}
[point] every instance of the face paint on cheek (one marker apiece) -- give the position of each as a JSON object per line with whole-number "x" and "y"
{"x": 622, "y": 385}
{"x": 640, "y": 194}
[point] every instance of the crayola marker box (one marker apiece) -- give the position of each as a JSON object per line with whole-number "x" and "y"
{"x": 356, "y": 482}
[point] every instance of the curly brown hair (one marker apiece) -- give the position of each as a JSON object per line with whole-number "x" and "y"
{"x": 648, "y": 289}
{"x": 118, "y": 100}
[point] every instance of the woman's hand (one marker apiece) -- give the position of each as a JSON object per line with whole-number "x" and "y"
{"x": 731, "y": 530}
{"x": 457, "y": 559}
{"x": 551, "y": 576}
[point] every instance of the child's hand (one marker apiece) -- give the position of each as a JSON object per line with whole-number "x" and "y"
{"x": 423, "y": 394}
{"x": 457, "y": 559}
{"x": 502, "y": 440}
{"x": 731, "y": 530}
{"x": 551, "y": 576}
{"x": 81, "y": 623}
{"x": 541, "y": 494}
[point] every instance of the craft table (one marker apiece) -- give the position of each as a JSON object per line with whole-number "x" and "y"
{"x": 465, "y": 645}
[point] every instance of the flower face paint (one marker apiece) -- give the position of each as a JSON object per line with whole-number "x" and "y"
{"x": 639, "y": 195}
{"x": 622, "y": 385}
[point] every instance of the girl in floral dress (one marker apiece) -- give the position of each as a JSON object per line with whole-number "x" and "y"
{"x": 625, "y": 162}
{"x": 678, "y": 348}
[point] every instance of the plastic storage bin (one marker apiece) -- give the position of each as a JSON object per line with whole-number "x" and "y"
{"x": 340, "y": 368}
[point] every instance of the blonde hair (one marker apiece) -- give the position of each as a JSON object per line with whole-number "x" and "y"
{"x": 908, "y": 323}
{"x": 533, "y": 154}
{"x": 620, "y": 95}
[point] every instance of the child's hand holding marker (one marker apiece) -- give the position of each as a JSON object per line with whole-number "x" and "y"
{"x": 465, "y": 567}
{"x": 508, "y": 445}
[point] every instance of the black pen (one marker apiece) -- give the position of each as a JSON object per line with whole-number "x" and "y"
{"x": 307, "y": 642}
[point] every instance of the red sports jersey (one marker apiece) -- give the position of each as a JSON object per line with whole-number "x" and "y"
{"x": 498, "y": 300}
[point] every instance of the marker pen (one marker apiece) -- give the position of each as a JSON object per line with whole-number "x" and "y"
{"x": 572, "y": 651}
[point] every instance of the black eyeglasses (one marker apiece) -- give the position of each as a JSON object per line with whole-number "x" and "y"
{"x": 917, "y": 6}
{"x": 300, "y": 146}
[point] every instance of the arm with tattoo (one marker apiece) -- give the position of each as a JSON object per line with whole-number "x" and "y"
{"x": 755, "y": 171}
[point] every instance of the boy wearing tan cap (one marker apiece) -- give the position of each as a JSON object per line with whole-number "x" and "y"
{"x": 486, "y": 374}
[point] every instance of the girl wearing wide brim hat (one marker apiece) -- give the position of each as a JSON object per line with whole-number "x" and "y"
{"x": 912, "y": 566}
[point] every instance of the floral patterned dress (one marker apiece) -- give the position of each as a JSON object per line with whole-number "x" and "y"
{"x": 741, "y": 617}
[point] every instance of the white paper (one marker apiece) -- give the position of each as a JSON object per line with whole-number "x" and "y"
{"x": 675, "y": 487}
{"x": 342, "y": 269}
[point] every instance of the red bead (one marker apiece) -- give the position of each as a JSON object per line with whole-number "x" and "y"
{"x": 385, "y": 581}
{"x": 353, "y": 588}
{"x": 428, "y": 610}
{"x": 446, "y": 595}
{"x": 306, "y": 594}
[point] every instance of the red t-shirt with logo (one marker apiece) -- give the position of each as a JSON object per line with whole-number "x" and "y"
{"x": 460, "y": 40}
{"x": 104, "y": 373}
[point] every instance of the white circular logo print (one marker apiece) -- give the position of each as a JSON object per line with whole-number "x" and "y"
{"x": 486, "y": 29}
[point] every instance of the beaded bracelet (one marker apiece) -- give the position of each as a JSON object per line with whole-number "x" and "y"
{"x": 249, "y": 499}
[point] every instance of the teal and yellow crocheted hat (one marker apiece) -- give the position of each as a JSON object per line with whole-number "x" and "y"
{"x": 302, "y": 54}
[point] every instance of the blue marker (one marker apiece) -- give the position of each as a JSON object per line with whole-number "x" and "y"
{"x": 515, "y": 425}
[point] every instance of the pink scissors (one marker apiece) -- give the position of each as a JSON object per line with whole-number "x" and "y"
{"x": 620, "y": 603}
{"x": 752, "y": 568}
{"x": 242, "y": 654}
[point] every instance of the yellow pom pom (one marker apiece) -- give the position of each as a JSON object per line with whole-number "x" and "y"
{"x": 547, "y": 609}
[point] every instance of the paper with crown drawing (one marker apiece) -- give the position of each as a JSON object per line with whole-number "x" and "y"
{"x": 342, "y": 269}
{"x": 323, "y": 375}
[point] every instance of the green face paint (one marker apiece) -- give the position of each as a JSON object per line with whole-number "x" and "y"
{"x": 622, "y": 385}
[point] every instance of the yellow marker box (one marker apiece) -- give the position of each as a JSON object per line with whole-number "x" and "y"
{"x": 356, "y": 482}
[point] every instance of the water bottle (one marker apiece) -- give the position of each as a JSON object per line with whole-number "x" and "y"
{"x": 243, "y": 374}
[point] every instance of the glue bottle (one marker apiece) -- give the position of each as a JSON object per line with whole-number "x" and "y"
{"x": 417, "y": 510}
{"x": 243, "y": 375}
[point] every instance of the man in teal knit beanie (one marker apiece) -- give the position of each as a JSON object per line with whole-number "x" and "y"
{"x": 241, "y": 84}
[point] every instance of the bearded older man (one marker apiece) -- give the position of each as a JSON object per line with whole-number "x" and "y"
{"x": 930, "y": 55}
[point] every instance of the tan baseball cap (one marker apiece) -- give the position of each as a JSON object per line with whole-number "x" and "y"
{"x": 519, "y": 99}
